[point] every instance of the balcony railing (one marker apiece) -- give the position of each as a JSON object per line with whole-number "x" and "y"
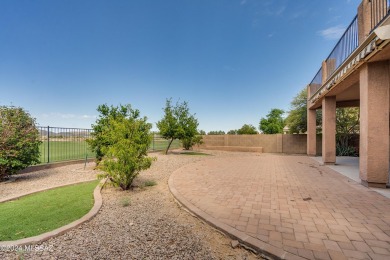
{"x": 316, "y": 83}
{"x": 379, "y": 11}
{"x": 349, "y": 42}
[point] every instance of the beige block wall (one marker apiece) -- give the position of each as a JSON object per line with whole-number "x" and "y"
{"x": 294, "y": 144}
{"x": 291, "y": 144}
{"x": 268, "y": 142}
{"x": 213, "y": 140}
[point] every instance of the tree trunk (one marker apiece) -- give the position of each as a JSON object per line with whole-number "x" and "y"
{"x": 169, "y": 145}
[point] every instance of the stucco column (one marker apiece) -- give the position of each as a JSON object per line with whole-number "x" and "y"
{"x": 329, "y": 130}
{"x": 311, "y": 132}
{"x": 374, "y": 124}
{"x": 364, "y": 20}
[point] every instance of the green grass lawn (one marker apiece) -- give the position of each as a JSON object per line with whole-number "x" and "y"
{"x": 45, "y": 211}
{"x": 160, "y": 144}
{"x": 64, "y": 151}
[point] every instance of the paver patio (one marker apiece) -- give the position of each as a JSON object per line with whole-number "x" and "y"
{"x": 288, "y": 206}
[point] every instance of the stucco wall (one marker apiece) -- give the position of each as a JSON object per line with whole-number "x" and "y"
{"x": 294, "y": 144}
{"x": 291, "y": 144}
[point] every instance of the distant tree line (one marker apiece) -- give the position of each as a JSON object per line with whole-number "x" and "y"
{"x": 220, "y": 132}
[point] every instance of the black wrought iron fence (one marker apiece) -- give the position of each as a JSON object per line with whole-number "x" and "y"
{"x": 64, "y": 144}
{"x": 348, "y": 42}
{"x": 379, "y": 11}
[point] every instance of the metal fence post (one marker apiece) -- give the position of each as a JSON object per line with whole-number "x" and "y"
{"x": 48, "y": 144}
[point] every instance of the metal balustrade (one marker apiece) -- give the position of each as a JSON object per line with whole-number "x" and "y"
{"x": 349, "y": 42}
{"x": 379, "y": 11}
{"x": 316, "y": 83}
{"x": 64, "y": 144}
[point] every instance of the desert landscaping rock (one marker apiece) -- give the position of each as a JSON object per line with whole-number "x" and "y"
{"x": 152, "y": 226}
{"x": 48, "y": 178}
{"x": 235, "y": 243}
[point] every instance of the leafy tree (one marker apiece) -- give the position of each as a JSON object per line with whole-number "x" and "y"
{"x": 297, "y": 117}
{"x": 232, "y": 132}
{"x": 274, "y": 122}
{"x": 177, "y": 123}
{"x": 202, "y": 132}
{"x": 347, "y": 125}
{"x": 129, "y": 138}
{"x": 188, "y": 143}
{"x": 19, "y": 140}
{"x": 98, "y": 139}
{"x": 247, "y": 130}
{"x": 220, "y": 132}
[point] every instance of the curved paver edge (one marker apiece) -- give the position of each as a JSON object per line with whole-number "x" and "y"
{"x": 258, "y": 245}
{"x": 61, "y": 230}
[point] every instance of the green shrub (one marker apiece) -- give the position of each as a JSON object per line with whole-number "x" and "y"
{"x": 19, "y": 140}
{"x": 150, "y": 183}
{"x": 125, "y": 202}
{"x": 129, "y": 138}
{"x": 346, "y": 151}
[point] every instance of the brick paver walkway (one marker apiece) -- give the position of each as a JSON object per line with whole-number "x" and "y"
{"x": 288, "y": 206}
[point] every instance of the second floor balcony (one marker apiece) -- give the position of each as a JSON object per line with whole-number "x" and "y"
{"x": 364, "y": 37}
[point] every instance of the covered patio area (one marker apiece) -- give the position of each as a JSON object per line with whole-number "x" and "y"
{"x": 349, "y": 167}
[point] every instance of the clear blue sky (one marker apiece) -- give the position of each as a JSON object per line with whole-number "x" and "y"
{"x": 232, "y": 60}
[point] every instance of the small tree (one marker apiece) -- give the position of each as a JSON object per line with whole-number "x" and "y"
{"x": 177, "y": 123}
{"x": 128, "y": 137}
{"x": 247, "y": 130}
{"x": 19, "y": 140}
{"x": 274, "y": 122}
{"x": 99, "y": 140}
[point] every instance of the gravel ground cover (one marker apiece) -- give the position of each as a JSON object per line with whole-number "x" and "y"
{"x": 143, "y": 223}
{"x": 29, "y": 182}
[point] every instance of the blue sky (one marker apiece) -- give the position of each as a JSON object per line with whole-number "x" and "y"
{"x": 232, "y": 60}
